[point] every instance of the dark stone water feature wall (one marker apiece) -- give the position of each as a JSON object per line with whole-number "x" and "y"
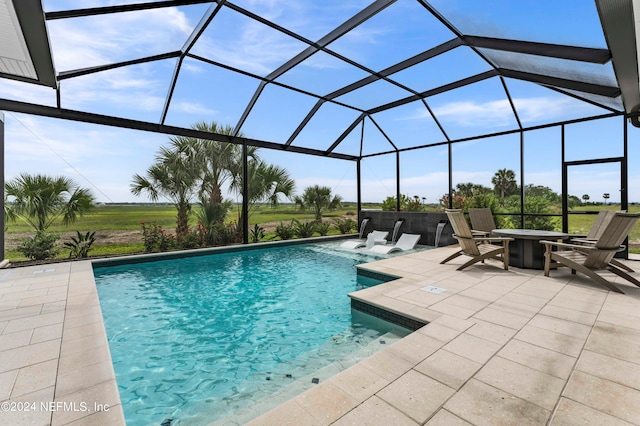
{"x": 425, "y": 224}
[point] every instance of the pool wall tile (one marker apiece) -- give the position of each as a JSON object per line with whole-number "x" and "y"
{"x": 392, "y": 317}
{"x": 375, "y": 275}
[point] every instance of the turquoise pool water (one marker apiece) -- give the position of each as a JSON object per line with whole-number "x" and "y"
{"x": 196, "y": 339}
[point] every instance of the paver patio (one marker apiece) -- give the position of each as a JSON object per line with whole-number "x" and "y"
{"x": 501, "y": 347}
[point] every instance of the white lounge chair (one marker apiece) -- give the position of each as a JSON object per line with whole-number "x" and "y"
{"x": 378, "y": 237}
{"x": 405, "y": 242}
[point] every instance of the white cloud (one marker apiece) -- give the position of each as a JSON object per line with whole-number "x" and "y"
{"x": 499, "y": 113}
{"x": 112, "y": 38}
{"x": 26, "y": 92}
{"x": 131, "y": 94}
{"x": 473, "y": 114}
{"x": 29, "y": 138}
{"x": 193, "y": 108}
{"x": 193, "y": 67}
{"x": 255, "y": 48}
{"x": 95, "y": 157}
{"x": 106, "y": 39}
{"x": 535, "y": 109}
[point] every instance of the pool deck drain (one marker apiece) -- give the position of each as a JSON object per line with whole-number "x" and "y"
{"x": 509, "y": 347}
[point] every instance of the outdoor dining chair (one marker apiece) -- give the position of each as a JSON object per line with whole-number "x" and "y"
{"x": 476, "y": 247}
{"x": 482, "y": 222}
{"x": 596, "y": 231}
{"x": 588, "y": 259}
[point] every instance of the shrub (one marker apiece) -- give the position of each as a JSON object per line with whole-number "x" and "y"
{"x": 412, "y": 204}
{"x": 256, "y": 234}
{"x": 391, "y": 204}
{"x": 285, "y": 232}
{"x": 80, "y": 245}
{"x": 155, "y": 239}
{"x": 190, "y": 240}
{"x": 345, "y": 226}
{"x": 41, "y": 246}
{"x": 206, "y": 235}
{"x": 223, "y": 235}
{"x": 322, "y": 228}
{"x": 304, "y": 229}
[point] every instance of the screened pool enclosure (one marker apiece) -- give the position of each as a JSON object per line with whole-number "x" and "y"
{"x": 395, "y": 89}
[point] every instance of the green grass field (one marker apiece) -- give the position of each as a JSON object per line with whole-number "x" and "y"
{"x": 105, "y": 219}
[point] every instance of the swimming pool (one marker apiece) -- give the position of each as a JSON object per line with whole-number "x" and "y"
{"x": 196, "y": 339}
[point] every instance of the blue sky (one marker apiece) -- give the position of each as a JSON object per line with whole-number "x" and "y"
{"x": 105, "y": 158}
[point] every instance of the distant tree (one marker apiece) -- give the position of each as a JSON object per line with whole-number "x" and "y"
{"x": 412, "y": 204}
{"x": 585, "y": 198}
{"x": 470, "y": 189}
{"x": 39, "y": 200}
{"x": 606, "y": 197}
{"x": 538, "y": 205}
{"x": 573, "y": 201}
{"x": 319, "y": 199}
{"x": 504, "y": 183}
{"x": 391, "y": 203}
{"x": 480, "y": 199}
{"x": 542, "y": 191}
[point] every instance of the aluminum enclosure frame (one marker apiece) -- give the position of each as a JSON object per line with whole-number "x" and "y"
{"x": 616, "y": 30}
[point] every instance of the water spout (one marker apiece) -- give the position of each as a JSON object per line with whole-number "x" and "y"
{"x": 363, "y": 226}
{"x": 396, "y": 230}
{"x": 439, "y": 229}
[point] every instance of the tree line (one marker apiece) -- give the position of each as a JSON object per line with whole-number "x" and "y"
{"x": 504, "y": 197}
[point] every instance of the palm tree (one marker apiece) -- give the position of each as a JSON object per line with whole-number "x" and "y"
{"x": 217, "y": 162}
{"x": 220, "y": 161}
{"x": 606, "y": 196}
{"x": 504, "y": 182}
{"x": 585, "y": 198}
{"x": 318, "y": 198}
{"x": 470, "y": 189}
{"x": 39, "y": 200}
{"x": 267, "y": 182}
{"x": 174, "y": 177}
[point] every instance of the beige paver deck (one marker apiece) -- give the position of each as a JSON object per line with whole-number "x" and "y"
{"x": 501, "y": 347}
{"x": 55, "y": 366}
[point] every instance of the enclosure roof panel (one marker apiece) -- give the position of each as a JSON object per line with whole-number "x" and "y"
{"x": 309, "y": 78}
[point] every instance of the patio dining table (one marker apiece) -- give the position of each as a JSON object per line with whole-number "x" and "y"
{"x": 525, "y": 251}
